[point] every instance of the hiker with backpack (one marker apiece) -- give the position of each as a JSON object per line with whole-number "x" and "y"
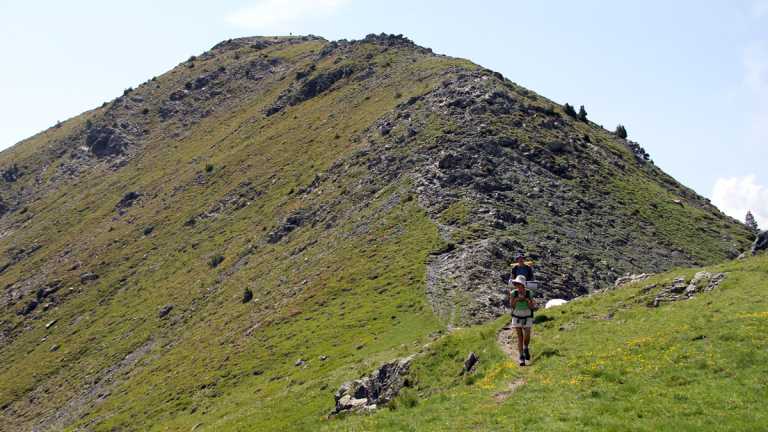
{"x": 521, "y": 303}
{"x": 521, "y": 268}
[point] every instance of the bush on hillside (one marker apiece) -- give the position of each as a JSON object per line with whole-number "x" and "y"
{"x": 145, "y": 111}
{"x": 208, "y": 167}
{"x": 621, "y": 131}
{"x": 191, "y": 59}
{"x": 569, "y": 110}
{"x": 247, "y": 295}
{"x": 582, "y": 114}
{"x": 215, "y": 260}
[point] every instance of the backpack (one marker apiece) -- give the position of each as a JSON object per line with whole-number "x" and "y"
{"x": 526, "y": 268}
{"x": 522, "y": 313}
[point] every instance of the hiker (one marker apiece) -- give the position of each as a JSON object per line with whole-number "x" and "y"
{"x": 521, "y": 268}
{"x": 521, "y": 303}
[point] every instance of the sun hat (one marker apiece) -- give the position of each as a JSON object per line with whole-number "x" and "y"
{"x": 520, "y": 279}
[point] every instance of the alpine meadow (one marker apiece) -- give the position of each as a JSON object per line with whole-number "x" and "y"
{"x": 287, "y": 233}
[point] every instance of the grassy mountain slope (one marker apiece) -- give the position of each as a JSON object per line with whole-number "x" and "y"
{"x": 690, "y": 365}
{"x": 367, "y": 193}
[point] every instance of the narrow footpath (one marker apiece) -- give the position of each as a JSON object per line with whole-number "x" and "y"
{"x": 507, "y": 340}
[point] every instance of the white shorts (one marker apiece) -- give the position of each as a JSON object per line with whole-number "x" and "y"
{"x": 522, "y": 322}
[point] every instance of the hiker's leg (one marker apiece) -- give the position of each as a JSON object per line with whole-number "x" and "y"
{"x": 527, "y": 336}
{"x": 519, "y": 339}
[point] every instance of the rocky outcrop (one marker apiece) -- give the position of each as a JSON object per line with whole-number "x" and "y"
{"x": 367, "y": 393}
{"x": 107, "y": 141}
{"x": 761, "y": 242}
{"x": 702, "y": 281}
{"x": 626, "y": 280}
{"x": 165, "y": 311}
{"x": 470, "y": 362}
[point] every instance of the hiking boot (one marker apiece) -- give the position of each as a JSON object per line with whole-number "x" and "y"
{"x": 522, "y": 360}
{"x": 526, "y": 354}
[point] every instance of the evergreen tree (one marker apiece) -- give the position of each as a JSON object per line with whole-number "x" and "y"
{"x": 569, "y": 110}
{"x": 621, "y": 131}
{"x": 582, "y": 114}
{"x": 751, "y": 222}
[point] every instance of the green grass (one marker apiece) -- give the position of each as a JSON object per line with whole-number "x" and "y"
{"x": 697, "y": 364}
{"x": 353, "y": 274}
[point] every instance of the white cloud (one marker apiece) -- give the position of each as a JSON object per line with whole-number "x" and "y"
{"x": 736, "y": 195}
{"x": 281, "y": 15}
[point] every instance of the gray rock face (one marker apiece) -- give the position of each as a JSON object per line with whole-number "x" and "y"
{"x": 107, "y": 142}
{"x": 31, "y": 305}
{"x": 626, "y": 280}
{"x": 165, "y": 310}
{"x": 761, "y": 242}
{"x": 367, "y": 393}
{"x": 469, "y": 363}
{"x": 88, "y": 277}
{"x": 128, "y": 199}
{"x": 679, "y": 290}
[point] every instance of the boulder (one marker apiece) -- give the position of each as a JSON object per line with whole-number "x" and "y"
{"x": 366, "y": 393}
{"x": 626, "y": 280}
{"x": 554, "y": 146}
{"x": 470, "y": 362}
{"x": 88, "y": 277}
{"x": 31, "y": 305}
{"x": 107, "y": 141}
{"x": 761, "y": 242}
{"x": 148, "y": 230}
{"x": 165, "y": 310}
{"x": 128, "y": 199}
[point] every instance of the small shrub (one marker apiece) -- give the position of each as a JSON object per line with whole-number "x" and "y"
{"x": 621, "y": 131}
{"x": 237, "y": 55}
{"x": 188, "y": 85}
{"x": 191, "y": 59}
{"x": 337, "y": 136}
{"x": 88, "y": 124}
{"x": 582, "y": 114}
{"x": 247, "y": 295}
{"x": 398, "y": 95}
{"x": 23, "y": 210}
{"x": 128, "y": 90}
{"x": 221, "y": 68}
{"x": 367, "y": 97}
{"x": 586, "y": 138}
{"x": 399, "y": 114}
{"x": 290, "y": 192}
{"x": 410, "y": 401}
{"x": 154, "y": 78}
{"x": 488, "y": 169}
{"x": 392, "y": 405}
{"x": 208, "y": 167}
{"x": 191, "y": 65}
{"x": 569, "y": 110}
{"x": 145, "y": 111}
{"x": 215, "y": 260}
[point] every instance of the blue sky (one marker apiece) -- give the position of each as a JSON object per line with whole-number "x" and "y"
{"x": 688, "y": 79}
